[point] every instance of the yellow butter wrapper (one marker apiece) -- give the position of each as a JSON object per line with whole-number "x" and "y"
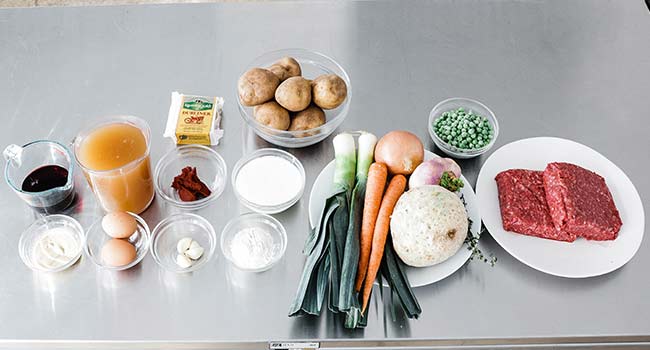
{"x": 194, "y": 119}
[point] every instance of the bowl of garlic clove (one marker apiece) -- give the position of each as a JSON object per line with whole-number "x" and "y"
{"x": 183, "y": 242}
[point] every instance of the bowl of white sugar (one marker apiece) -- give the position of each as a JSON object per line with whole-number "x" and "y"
{"x": 268, "y": 180}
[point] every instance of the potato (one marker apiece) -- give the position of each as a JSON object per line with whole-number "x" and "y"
{"x": 285, "y": 68}
{"x": 294, "y": 94}
{"x": 272, "y": 115}
{"x": 310, "y": 118}
{"x": 257, "y": 86}
{"x": 329, "y": 91}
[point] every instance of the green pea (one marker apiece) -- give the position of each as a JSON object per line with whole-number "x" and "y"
{"x": 463, "y": 128}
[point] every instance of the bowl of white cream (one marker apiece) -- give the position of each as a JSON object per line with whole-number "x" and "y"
{"x": 52, "y": 243}
{"x": 253, "y": 242}
{"x": 268, "y": 180}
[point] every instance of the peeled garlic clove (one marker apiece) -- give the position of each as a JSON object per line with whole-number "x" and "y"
{"x": 194, "y": 244}
{"x": 183, "y": 245}
{"x": 195, "y": 252}
{"x": 183, "y": 261}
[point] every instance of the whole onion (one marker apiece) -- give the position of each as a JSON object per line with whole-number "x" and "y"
{"x": 401, "y": 151}
{"x": 429, "y": 172}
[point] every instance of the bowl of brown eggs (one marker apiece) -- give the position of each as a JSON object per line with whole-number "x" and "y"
{"x": 117, "y": 241}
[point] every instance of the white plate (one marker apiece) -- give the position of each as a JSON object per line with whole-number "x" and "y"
{"x": 418, "y": 276}
{"x": 581, "y": 258}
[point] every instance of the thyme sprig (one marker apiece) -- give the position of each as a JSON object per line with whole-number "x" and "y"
{"x": 472, "y": 242}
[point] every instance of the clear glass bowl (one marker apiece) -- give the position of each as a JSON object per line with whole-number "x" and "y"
{"x": 96, "y": 237}
{"x": 468, "y": 104}
{"x": 30, "y": 237}
{"x": 168, "y": 232}
{"x": 260, "y": 221}
{"x": 312, "y": 65}
{"x": 268, "y": 209}
{"x": 210, "y": 167}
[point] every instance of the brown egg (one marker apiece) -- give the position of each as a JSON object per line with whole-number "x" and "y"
{"x": 119, "y": 224}
{"x": 118, "y": 252}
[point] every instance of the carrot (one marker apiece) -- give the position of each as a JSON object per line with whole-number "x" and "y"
{"x": 374, "y": 191}
{"x": 395, "y": 189}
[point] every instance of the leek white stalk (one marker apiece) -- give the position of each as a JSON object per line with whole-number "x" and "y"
{"x": 367, "y": 143}
{"x": 345, "y": 160}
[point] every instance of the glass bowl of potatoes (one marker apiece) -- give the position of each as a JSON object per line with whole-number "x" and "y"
{"x": 294, "y": 97}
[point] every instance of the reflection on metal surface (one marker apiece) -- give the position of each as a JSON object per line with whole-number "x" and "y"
{"x": 46, "y": 293}
{"x": 115, "y": 280}
{"x": 237, "y": 278}
{"x": 172, "y": 280}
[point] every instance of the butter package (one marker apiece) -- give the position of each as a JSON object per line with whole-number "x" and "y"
{"x": 194, "y": 119}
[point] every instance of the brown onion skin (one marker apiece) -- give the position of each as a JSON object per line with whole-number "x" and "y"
{"x": 401, "y": 151}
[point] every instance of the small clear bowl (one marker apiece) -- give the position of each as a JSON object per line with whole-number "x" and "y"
{"x": 268, "y": 209}
{"x": 168, "y": 232}
{"x": 468, "y": 104}
{"x": 312, "y": 65}
{"x": 96, "y": 237}
{"x": 260, "y": 221}
{"x": 210, "y": 167}
{"x": 28, "y": 239}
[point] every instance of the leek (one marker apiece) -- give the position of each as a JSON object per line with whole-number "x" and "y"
{"x": 348, "y": 301}
{"x": 346, "y": 158}
{"x": 392, "y": 270}
{"x": 324, "y": 245}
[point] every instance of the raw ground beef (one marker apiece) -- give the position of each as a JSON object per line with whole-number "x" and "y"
{"x": 523, "y": 205}
{"x": 580, "y": 202}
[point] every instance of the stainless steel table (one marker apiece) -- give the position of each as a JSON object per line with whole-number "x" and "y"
{"x": 577, "y": 69}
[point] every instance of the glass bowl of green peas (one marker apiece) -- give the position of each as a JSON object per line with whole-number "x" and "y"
{"x": 463, "y": 128}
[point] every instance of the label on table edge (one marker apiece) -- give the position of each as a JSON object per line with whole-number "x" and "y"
{"x": 293, "y": 346}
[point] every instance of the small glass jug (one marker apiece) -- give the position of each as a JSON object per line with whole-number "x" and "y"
{"x": 126, "y": 187}
{"x": 48, "y": 162}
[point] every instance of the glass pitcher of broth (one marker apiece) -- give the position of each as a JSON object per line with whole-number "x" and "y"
{"x": 114, "y": 156}
{"x": 40, "y": 173}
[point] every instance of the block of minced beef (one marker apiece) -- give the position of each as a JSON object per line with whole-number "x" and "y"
{"x": 523, "y": 205}
{"x": 580, "y": 202}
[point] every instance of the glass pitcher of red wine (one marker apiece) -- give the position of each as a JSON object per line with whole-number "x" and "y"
{"x": 41, "y": 174}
